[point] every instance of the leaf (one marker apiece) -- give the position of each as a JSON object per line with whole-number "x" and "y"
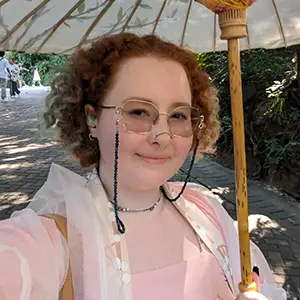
{"x": 138, "y": 22}
{"x": 145, "y": 6}
{"x": 174, "y": 13}
{"x": 291, "y": 220}
{"x": 81, "y": 8}
{"x": 86, "y": 18}
{"x": 120, "y": 14}
{"x": 65, "y": 23}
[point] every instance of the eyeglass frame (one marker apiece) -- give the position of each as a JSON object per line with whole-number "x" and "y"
{"x": 120, "y": 109}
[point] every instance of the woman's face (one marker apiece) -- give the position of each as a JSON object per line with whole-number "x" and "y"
{"x": 145, "y": 162}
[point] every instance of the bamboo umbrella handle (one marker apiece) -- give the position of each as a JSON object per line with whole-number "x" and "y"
{"x": 233, "y": 26}
{"x": 240, "y": 162}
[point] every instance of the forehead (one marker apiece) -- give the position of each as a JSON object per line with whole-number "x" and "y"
{"x": 164, "y": 82}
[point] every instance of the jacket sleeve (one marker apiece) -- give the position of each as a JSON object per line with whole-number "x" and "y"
{"x": 33, "y": 258}
{"x": 269, "y": 288}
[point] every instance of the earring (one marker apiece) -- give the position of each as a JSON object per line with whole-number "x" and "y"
{"x": 90, "y": 121}
{"x": 201, "y": 125}
{"x": 91, "y": 138}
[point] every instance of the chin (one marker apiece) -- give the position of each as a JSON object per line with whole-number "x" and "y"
{"x": 148, "y": 174}
{"x": 148, "y": 179}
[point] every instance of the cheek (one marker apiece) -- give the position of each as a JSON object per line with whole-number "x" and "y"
{"x": 130, "y": 143}
{"x": 182, "y": 146}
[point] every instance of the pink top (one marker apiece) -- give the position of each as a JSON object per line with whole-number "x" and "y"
{"x": 34, "y": 256}
{"x": 183, "y": 281}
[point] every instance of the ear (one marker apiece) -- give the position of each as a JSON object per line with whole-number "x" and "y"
{"x": 91, "y": 118}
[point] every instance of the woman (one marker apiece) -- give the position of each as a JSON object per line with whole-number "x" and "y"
{"x": 22, "y": 81}
{"x": 133, "y": 108}
{"x": 13, "y": 78}
{"x": 36, "y": 77}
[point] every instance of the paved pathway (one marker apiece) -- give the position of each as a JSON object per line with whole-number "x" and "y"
{"x": 26, "y": 156}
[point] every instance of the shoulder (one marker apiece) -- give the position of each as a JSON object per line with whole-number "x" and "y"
{"x": 198, "y": 194}
{"x": 203, "y": 202}
{"x": 31, "y": 245}
{"x": 203, "y": 199}
{"x": 59, "y": 187}
{"x": 25, "y": 230}
{"x": 3, "y": 60}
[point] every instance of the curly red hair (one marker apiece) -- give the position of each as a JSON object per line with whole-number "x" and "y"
{"x": 90, "y": 74}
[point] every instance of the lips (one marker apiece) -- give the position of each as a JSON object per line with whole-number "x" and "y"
{"x": 157, "y": 160}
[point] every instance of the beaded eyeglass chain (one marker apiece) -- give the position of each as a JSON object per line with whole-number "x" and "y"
{"x": 119, "y": 223}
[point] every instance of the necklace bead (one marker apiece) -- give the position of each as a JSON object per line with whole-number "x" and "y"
{"x": 151, "y": 208}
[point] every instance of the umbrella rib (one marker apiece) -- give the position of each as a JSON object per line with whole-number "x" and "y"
{"x": 185, "y": 22}
{"x": 58, "y": 24}
{"x": 3, "y": 2}
{"x": 280, "y": 23}
{"x": 159, "y": 15}
{"x": 18, "y": 25}
{"x": 96, "y": 21}
{"x": 137, "y": 4}
{"x": 248, "y": 37}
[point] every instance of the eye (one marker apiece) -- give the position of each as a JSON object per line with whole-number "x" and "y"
{"x": 179, "y": 115}
{"x": 139, "y": 112}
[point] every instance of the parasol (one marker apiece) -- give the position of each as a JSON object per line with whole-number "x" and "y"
{"x": 55, "y": 26}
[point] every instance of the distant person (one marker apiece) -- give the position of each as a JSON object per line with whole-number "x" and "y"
{"x": 22, "y": 82}
{"x": 4, "y": 66}
{"x": 36, "y": 77}
{"x": 14, "y": 78}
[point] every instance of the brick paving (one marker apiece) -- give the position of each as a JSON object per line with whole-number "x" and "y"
{"x": 26, "y": 156}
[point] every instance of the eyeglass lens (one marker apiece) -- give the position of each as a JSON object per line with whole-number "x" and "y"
{"x": 139, "y": 117}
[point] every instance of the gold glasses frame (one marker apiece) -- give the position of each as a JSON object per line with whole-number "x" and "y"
{"x": 119, "y": 111}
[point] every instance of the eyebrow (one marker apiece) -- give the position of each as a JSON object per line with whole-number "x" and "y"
{"x": 175, "y": 104}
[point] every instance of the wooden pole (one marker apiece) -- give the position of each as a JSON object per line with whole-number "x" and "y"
{"x": 233, "y": 26}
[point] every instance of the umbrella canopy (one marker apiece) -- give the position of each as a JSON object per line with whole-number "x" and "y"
{"x": 55, "y": 26}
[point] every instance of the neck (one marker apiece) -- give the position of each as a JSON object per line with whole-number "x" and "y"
{"x": 130, "y": 197}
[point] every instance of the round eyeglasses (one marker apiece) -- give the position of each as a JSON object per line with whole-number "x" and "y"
{"x": 139, "y": 116}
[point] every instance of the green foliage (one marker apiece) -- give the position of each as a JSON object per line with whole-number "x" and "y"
{"x": 271, "y": 111}
{"x": 48, "y": 65}
{"x": 278, "y": 93}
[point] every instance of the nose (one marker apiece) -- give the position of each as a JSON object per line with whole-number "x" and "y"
{"x": 160, "y": 135}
